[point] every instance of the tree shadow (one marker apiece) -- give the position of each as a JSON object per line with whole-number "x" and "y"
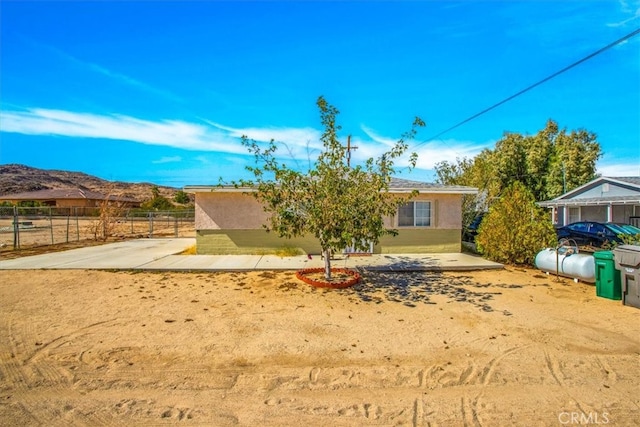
{"x": 411, "y": 288}
{"x": 400, "y": 263}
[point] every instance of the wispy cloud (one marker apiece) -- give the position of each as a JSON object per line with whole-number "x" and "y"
{"x": 389, "y": 142}
{"x": 448, "y": 150}
{"x": 203, "y": 159}
{"x": 172, "y": 159}
{"x": 291, "y": 136}
{"x": 298, "y": 144}
{"x": 170, "y": 133}
{"x": 618, "y": 169}
{"x": 99, "y": 69}
{"x": 630, "y": 11}
{"x": 429, "y": 153}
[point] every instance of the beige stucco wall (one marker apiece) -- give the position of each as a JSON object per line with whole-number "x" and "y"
{"x": 229, "y": 223}
{"x": 67, "y": 203}
{"x": 240, "y": 211}
{"x": 228, "y": 211}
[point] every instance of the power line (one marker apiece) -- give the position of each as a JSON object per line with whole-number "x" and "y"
{"x": 586, "y": 58}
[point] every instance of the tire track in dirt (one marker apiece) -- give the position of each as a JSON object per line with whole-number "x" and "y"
{"x": 302, "y": 391}
{"x": 299, "y": 390}
{"x": 38, "y": 369}
{"x": 469, "y": 412}
{"x": 63, "y": 339}
{"x": 447, "y": 375}
{"x": 472, "y": 376}
{"x": 557, "y": 374}
{"x": 46, "y": 366}
{"x": 490, "y": 368}
{"x": 553, "y": 368}
{"x": 612, "y": 377}
{"x": 15, "y": 393}
{"x": 418, "y": 413}
{"x": 11, "y": 362}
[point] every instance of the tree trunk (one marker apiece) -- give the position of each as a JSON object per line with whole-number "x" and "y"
{"x": 327, "y": 263}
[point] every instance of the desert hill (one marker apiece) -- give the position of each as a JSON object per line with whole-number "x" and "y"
{"x": 15, "y": 178}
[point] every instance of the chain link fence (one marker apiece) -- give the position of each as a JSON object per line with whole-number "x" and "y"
{"x": 24, "y": 227}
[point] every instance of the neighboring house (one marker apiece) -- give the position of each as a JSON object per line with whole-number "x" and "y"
{"x": 68, "y": 197}
{"x": 228, "y": 220}
{"x": 605, "y": 199}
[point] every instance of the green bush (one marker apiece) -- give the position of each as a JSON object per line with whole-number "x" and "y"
{"x": 515, "y": 229}
{"x": 181, "y": 197}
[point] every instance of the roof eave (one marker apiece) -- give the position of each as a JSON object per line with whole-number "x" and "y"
{"x": 558, "y": 203}
{"x": 215, "y": 189}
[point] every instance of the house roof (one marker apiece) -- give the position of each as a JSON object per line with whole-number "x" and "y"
{"x": 64, "y": 194}
{"x": 397, "y": 185}
{"x": 626, "y": 190}
{"x": 405, "y": 185}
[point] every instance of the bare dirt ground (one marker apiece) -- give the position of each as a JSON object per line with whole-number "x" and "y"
{"x": 498, "y": 348}
{"x": 52, "y": 236}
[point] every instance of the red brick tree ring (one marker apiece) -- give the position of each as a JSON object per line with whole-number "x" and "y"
{"x": 343, "y": 277}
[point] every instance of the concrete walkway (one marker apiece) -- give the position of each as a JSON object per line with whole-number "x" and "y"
{"x": 160, "y": 255}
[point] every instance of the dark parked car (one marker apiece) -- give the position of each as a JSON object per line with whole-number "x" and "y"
{"x": 471, "y": 231}
{"x": 630, "y": 228}
{"x": 597, "y": 234}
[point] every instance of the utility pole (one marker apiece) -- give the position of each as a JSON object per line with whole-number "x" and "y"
{"x": 349, "y": 147}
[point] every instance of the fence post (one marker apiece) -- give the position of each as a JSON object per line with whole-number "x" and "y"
{"x": 150, "y": 224}
{"x": 68, "y": 220}
{"x": 51, "y": 225}
{"x": 75, "y": 209}
{"x": 175, "y": 226}
{"x": 16, "y": 229}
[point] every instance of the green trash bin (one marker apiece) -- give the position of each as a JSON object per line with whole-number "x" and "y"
{"x": 608, "y": 283}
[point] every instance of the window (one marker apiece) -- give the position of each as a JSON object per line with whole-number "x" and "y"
{"x": 574, "y": 215}
{"x": 579, "y": 226}
{"x": 414, "y": 214}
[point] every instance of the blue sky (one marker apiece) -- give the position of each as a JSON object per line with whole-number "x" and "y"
{"x": 161, "y": 91}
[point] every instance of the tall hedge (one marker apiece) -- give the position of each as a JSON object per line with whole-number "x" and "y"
{"x": 515, "y": 229}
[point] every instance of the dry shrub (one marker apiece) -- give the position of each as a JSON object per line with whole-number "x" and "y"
{"x": 515, "y": 229}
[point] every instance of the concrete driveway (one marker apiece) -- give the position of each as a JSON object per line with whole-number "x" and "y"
{"x": 161, "y": 254}
{"x": 127, "y": 255}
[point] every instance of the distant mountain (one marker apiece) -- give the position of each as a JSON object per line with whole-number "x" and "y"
{"x": 16, "y": 178}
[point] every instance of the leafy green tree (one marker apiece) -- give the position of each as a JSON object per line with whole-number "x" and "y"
{"x": 338, "y": 204}
{"x": 509, "y": 160}
{"x": 181, "y": 197}
{"x": 157, "y": 202}
{"x": 515, "y": 229}
{"x": 573, "y": 162}
{"x": 548, "y": 164}
{"x": 29, "y": 204}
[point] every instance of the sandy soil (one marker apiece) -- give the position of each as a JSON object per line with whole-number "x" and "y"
{"x": 497, "y": 348}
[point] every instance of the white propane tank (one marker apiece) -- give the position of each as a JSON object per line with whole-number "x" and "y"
{"x": 568, "y": 264}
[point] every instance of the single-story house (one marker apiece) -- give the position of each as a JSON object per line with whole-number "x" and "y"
{"x": 68, "y": 197}
{"x": 605, "y": 199}
{"x": 229, "y": 220}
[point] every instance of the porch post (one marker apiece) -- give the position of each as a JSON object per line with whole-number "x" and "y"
{"x": 609, "y": 212}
